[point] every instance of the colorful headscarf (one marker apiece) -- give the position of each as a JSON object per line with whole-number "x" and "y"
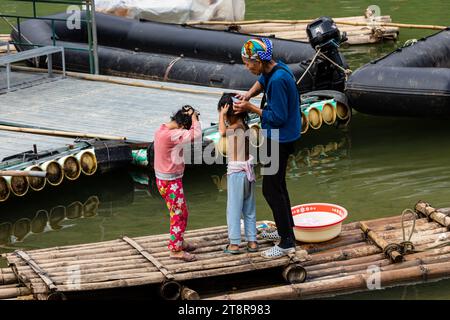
{"x": 257, "y": 49}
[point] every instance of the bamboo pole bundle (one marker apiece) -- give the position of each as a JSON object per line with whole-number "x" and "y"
{"x": 114, "y": 262}
{"x": 205, "y": 236}
{"x": 39, "y": 288}
{"x": 352, "y": 267}
{"x": 347, "y": 284}
{"x": 428, "y": 211}
{"x": 213, "y": 250}
{"x": 281, "y": 22}
{"x": 437, "y": 256}
{"x": 189, "y": 235}
{"x": 220, "y": 256}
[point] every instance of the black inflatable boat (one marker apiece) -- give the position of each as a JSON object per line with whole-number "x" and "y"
{"x": 169, "y": 52}
{"x": 412, "y": 81}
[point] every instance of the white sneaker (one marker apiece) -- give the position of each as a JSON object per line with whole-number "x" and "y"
{"x": 277, "y": 252}
{"x": 270, "y": 235}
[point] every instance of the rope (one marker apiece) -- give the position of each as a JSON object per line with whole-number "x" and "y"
{"x": 169, "y": 67}
{"x": 307, "y": 69}
{"x": 347, "y": 72}
{"x": 107, "y": 151}
{"x": 409, "y": 42}
{"x": 407, "y": 245}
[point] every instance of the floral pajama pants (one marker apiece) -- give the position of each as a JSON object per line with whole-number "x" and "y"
{"x": 172, "y": 193}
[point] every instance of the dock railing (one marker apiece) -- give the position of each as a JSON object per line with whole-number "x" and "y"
{"x": 86, "y": 5}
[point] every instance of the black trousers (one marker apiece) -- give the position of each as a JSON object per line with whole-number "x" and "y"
{"x": 276, "y": 194}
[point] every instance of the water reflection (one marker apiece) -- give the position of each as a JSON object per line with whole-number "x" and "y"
{"x": 60, "y": 208}
{"x": 316, "y": 157}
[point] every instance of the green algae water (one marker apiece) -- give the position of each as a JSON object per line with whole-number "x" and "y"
{"x": 376, "y": 168}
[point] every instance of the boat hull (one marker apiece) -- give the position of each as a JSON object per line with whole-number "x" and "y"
{"x": 412, "y": 81}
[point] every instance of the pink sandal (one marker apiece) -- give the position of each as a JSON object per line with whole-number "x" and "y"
{"x": 188, "y": 247}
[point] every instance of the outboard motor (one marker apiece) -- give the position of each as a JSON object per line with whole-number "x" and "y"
{"x": 323, "y": 72}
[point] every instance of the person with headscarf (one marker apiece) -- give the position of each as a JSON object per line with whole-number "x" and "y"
{"x": 281, "y": 124}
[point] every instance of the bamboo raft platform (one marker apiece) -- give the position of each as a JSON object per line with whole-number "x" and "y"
{"x": 359, "y": 29}
{"x": 334, "y": 267}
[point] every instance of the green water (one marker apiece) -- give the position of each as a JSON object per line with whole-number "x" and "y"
{"x": 378, "y": 168}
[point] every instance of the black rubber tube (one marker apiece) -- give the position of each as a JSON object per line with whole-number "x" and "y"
{"x": 413, "y": 81}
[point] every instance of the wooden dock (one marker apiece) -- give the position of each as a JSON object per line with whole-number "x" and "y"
{"x": 342, "y": 265}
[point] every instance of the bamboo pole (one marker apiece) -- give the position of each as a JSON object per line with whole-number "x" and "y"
{"x": 58, "y": 133}
{"x": 395, "y": 255}
{"x": 7, "y": 276}
{"x": 14, "y": 292}
{"x": 398, "y": 25}
{"x": 133, "y": 83}
{"x": 189, "y": 294}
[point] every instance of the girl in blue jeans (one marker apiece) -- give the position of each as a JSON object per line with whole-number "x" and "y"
{"x": 240, "y": 177}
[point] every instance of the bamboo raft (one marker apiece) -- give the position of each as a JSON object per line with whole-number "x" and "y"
{"x": 4, "y": 49}
{"x": 334, "y": 267}
{"x": 359, "y": 29}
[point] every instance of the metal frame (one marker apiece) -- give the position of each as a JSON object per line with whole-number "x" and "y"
{"x": 33, "y": 53}
{"x": 90, "y": 23}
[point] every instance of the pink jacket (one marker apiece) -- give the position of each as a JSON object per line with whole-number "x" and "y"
{"x": 168, "y": 148}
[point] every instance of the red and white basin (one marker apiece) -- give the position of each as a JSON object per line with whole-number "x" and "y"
{"x": 318, "y": 222}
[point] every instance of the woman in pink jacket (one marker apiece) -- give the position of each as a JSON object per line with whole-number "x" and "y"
{"x": 169, "y": 139}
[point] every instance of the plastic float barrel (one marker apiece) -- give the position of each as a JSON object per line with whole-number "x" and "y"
{"x": 88, "y": 161}
{"x": 74, "y": 210}
{"x": 328, "y": 113}
{"x": 90, "y": 207}
{"x": 18, "y": 185}
{"x": 305, "y": 123}
{"x": 55, "y": 173}
{"x": 71, "y": 167}
{"x": 4, "y": 189}
{"x": 36, "y": 183}
{"x": 256, "y": 136}
{"x": 342, "y": 111}
{"x": 57, "y": 214}
{"x": 314, "y": 118}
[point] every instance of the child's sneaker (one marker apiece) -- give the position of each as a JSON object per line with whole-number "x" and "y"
{"x": 270, "y": 235}
{"x": 277, "y": 252}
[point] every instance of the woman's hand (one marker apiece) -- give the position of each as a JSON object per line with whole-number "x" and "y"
{"x": 243, "y": 96}
{"x": 243, "y": 106}
{"x": 224, "y": 109}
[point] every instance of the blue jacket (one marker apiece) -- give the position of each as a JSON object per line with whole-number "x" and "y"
{"x": 283, "y": 105}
